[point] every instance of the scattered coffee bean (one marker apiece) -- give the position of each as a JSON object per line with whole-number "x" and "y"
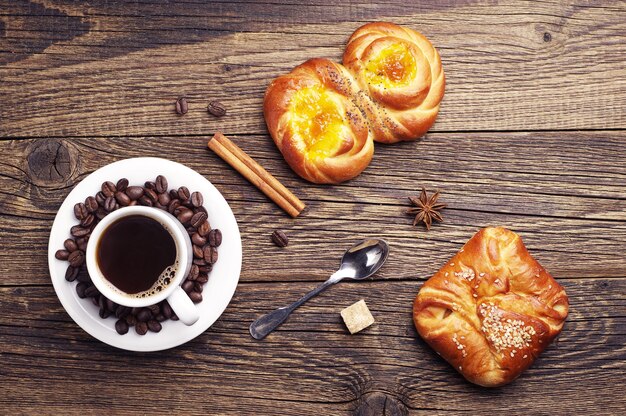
{"x": 183, "y": 193}
{"x": 141, "y": 328}
{"x": 155, "y": 309}
{"x": 173, "y": 206}
{"x": 101, "y": 213}
{"x": 202, "y": 278}
{"x": 215, "y": 238}
{"x": 87, "y": 221}
{"x": 195, "y": 297}
{"x": 145, "y": 201}
{"x": 181, "y": 106}
{"x": 166, "y": 310}
{"x": 71, "y": 273}
{"x": 83, "y": 275}
{"x": 122, "y": 199}
{"x": 91, "y": 204}
{"x": 76, "y": 258}
{"x": 103, "y": 312}
{"x": 150, "y": 185}
{"x": 196, "y": 239}
{"x": 121, "y": 326}
{"x": 191, "y": 230}
{"x": 122, "y": 311}
{"x": 204, "y": 229}
{"x": 187, "y": 286}
{"x": 197, "y": 219}
{"x": 196, "y": 199}
{"x": 80, "y": 211}
{"x": 216, "y": 108}
{"x": 100, "y": 198}
{"x": 206, "y": 268}
{"x": 91, "y": 291}
{"x": 199, "y": 262}
{"x": 193, "y": 272}
{"x": 161, "y": 184}
{"x": 108, "y": 188}
{"x": 210, "y": 254}
{"x": 134, "y": 192}
{"x": 144, "y": 315}
{"x": 70, "y": 245}
{"x": 131, "y": 319}
{"x": 160, "y": 318}
{"x": 151, "y": 194}
{"x": 185, "y": 216}
{"x": 111, "y": 306}
{"x": 197, "y": 287}
{"x": 109, "y": 204}
{"x": 80, "y": 289}
{"x": 164, "y": 199}
{"x": 96, "y": 300}
{"x": 62, "y": 254}
{"x": 81, "y": 242}
{"x": 121, "y": 185}
{"x": 197, "y": 251}
{"x": 154, "y": 325}
{"x": 280, "y": 238}
{"x": 173, "y": 193}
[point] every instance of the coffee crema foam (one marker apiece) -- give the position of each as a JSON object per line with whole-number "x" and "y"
{"x": 162, "y": 282}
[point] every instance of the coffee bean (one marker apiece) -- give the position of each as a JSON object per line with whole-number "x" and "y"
{"x": 91, "y": 291}
{"x": 121, "y": 326}
{"x": 280, "y": 238}
{"x": 100, "y": 198}
{"x": 164, "y": 199}
{"x": 166, "y": 310}
{"x": 197, "y": 220}
{"x": 151, "y": 194}
{"x": 96, "y": 300}
{"x": 154, "y": 309}
{"x": 173, "y": 206}
{"x": 150, "y": 185}
{"x": 70, "y": 245}
{"x": 101, "y": 213}
{"x": 193, "y": 272}
{"x": 87, "y": 221}
{"x": 204, "y": 229}
{"x": 80, "y": 211}
{"x": 216, "y": 108}
{"x": 104, "y": 312}
{"x": 181, "y": 106}
{"x": 62, "y": 254}
{"x": 80, "y": 289}
{"x": 197, "y": 287}
{"x": 122, "y": 199}
{"x": 196, "y": 199}
{"x": 108, "y": 188}
{"x": 161, "y": 184}
{"x": 109, "y": 204}
{"x": 210, "y": 254}
{"x": 141, "y": 328}
{"x": 185, "y": 216}
{"x": 191, "y": 230}
{"x": 131, "y": 319}
{"x": 78, "y": 231}
{"x": 145, "y": 201}
{"x": 196, "y": 239}
{"x": 187, "y": 286}
{"x": 134, "y": 192}
{"x": 174, "y": 194}
{"x": 122, "y": 184}
{"x": 144, "y": 315}
{"x": 111, "y": 306}
{"x": 76, "y": 258}
{"x": 200, "y": 209}
{"x": 202, "y": 278}
{"x": 160, "y": 318}
{"x": 195, "y": 297}
{"x": 91, "y": 204}
{"x": 199, "y": 262}
{"x": 159, "y": 206}
{"x": 197, "y": 252}
{"x": 206, "y": 268}
{"x": 71, "y": 273}
{"x": 215, "y": 238}
{"x": 122, "y": 311}
{"x": 154, "y": 325}
{"x": 83, "y": 275}
{"x": 183, "y": 193}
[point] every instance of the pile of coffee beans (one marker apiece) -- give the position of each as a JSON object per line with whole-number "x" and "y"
{"x": 185, "y": 205}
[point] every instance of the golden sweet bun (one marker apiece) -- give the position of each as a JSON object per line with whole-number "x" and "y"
{"x": 491, "y": 310}
{"x": 311, "y": 117}
{"x": 401, "y": 78}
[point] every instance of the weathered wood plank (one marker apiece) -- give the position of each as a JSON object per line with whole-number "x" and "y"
{"x": 310, "y": 361}
{"x": 563, "y": 192}
{"x": 106, "y": 69}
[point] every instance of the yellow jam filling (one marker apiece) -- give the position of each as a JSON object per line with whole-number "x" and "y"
{"x": 317, "y": 120}
{"x": 394, "y": 66}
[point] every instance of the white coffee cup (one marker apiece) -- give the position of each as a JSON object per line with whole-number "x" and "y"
{"x": 175, "y": 295}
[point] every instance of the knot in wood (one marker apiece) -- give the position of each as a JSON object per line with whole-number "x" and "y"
{"x": 49, "y": 161}
{"x": 380, "y": 404}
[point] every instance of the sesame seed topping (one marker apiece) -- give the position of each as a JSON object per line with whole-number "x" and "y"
{"x": 460, "y": 368}
{"x": 446, "y": 275}
{"x": 451, "y": 264}
{"x": 466, "y": 274}
{"x": 497, "y": 281}
{"x": 549, "y": 286}
{"x": 481, "y": 274}
{"x": 504, "y": 334}
{"x": 525, "y": 356}
{"x": 475, "y": 295}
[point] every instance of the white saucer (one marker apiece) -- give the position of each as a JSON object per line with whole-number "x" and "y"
{"x": 217, "y": 292}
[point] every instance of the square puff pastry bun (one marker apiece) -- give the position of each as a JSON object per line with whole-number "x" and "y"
{"x": 491, "y": 310}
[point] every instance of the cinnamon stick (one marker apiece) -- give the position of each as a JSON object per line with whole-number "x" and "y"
{"x": 255, "y": 173}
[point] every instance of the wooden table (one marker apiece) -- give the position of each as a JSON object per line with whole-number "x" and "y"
{"x": 531, "y": 136}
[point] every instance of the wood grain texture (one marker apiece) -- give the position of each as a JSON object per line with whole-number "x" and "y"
{"x": 109, "y": 68}
{"x": 531, "y": 136}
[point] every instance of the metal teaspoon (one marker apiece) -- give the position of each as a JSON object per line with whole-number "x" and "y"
{"x": 359, "y": 262}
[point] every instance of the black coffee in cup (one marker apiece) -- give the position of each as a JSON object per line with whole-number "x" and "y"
{"x": 137, "y": 255}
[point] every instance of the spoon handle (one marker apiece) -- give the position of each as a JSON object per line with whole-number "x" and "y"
{"x": 267, "y": 323}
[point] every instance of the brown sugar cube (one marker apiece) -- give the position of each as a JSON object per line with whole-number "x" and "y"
{"x": 357, "y": 317}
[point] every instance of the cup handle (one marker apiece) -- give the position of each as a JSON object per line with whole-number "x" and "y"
{"x": 183, "y": 306}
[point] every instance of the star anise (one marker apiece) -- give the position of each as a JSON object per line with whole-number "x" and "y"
{"x": 426, "y": 209}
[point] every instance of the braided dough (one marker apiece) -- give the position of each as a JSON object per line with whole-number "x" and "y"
{"x": 491, "y": 310}
{"x": 324, "y": 116}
